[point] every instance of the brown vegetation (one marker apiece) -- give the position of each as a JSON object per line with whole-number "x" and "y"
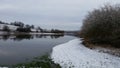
{"x": 102, "y": 26}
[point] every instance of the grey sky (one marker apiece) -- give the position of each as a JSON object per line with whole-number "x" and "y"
{"x": 61, "y": 14}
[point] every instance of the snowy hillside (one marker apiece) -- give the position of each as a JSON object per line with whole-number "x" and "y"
{"x": 11, "y": 27}
{"x": 73, "y": 54}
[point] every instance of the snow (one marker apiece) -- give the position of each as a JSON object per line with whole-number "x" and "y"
{"x": 73, "y": 54}
{"x": 33, "y": 30}
{"x": 11, "y": 27}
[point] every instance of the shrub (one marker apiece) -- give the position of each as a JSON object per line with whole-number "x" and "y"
{"x": 23, "y": 30}
{"x": 102, "y": 25}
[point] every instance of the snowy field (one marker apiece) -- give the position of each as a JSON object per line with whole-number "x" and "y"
{"x": 73, "y": 54}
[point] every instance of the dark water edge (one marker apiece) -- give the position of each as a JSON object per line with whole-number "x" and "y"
{"x": 46, "y": 41}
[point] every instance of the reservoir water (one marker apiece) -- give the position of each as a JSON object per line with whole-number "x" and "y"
{"x": 17, "y": 49}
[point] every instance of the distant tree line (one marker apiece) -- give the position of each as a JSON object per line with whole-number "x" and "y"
{"x": 21, "y": 27}
{"x": 57, "y": 31}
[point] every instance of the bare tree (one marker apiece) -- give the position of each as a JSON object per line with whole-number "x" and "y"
{"x": 102, "y": 25}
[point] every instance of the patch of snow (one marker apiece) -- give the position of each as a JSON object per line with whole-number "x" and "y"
{"x": 73, "y": 54}
{"x": 11, "y": 27}
{"x": 33, "y": 30}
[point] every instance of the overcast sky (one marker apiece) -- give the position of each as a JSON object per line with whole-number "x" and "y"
{"x": 60, "y": 14}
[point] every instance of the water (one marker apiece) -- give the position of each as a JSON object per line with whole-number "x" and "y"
{"x": 16, "y": 49}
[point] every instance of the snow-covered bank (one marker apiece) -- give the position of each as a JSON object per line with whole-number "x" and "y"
{"x": 73, "y": 54}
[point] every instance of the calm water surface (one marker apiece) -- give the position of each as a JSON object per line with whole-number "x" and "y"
{"x": 23, "y": 48}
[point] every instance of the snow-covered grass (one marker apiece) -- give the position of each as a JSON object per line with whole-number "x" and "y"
{"x": 73, "y": 54}
{"x": 11, "y": 27}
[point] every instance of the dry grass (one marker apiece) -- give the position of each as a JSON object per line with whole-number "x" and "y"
{"x": 104, "y": 48}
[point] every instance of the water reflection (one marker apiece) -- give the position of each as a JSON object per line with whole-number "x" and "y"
{"x": 20, "y": 37}
{"x": 22, "y": 49}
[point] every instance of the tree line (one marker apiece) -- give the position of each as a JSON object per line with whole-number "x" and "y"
{"x": 21, "y": 27}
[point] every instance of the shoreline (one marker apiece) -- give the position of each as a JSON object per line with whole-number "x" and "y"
{"x": 105, "y": 48}
{"x": 32, "y": 33}
{"x": 75, "y": 55}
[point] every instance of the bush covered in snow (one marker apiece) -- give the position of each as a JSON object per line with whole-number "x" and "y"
{"x": 102, "y": 25}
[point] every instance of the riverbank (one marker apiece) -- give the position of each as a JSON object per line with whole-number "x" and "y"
{"x": 106, "y": 48}
{"x": 75, "y": 55}
{"x": 32, "y": 33}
